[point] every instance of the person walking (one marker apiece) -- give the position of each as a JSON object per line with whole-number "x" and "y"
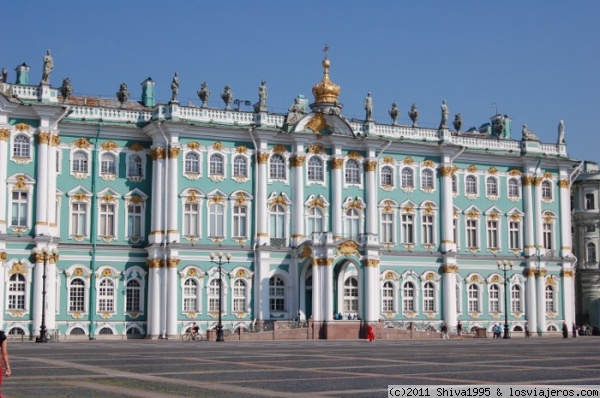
{"x": 459, "y": 330}
{"x": 4, "y": 364}
{"x": 370, "y": 334}
{"x": 574, "y": 328}
{"x": 565, "y": 330}
{"x": 527, "y": 331}
{"x": 445, "y": 331}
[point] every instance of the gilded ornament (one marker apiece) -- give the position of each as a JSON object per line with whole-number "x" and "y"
{"x": 263, "y": 158}
{"x": 280, "y": 149}
{"x": 494, "y": 216}
{"x": 192, "y": 272}
{"x": 472, "y": 214}
{"x": 530, "y": 272}
{"x": 241, "y": 199}
{"x": 77, "y": 315}
{"x": 107, "y": 273}
{"x": 322, "y": 262}
{"x": 514, "y": 172}
{"x": 355, "y": 204}
{"x": 474, "y": 279}
{"x": 326, "y": 91}
{"x": 53, "y": 258}
{"x": 241, "y": 274}
{"x": 389, "y": 275}
{"x": 279, "y": 200}
{"x": 217, "y": 199}
{"x": 317, "y": 202}
{"x": 537, "y": 181}
{"x": 158, "y": 153}
{"x": 564, "y": 183}
{"x": 306, "y": 252}
{"x": 389, "y": 160}
{"x": 44, "y": 137}
{"x": 17, "y": 314}
{"x": 429, "y": 276}
{"x": 108, "y": 198}
{"x": 298, "y": 161}
{"x": 136, "y": 147}
{"x": 55, "y": 140}
{"x": 542, "y": 272}
{"x": 408, "y": 161}
{"x": 354, "y": 155}
{"x": 371, "y": 165}
{"x": 136, "y": 200}
{"x": 568, "y": 273}
{"x": 316, "y": 149}
{"x": 193, "y": 145}
{"x": 174, "y": 152}
{"x": 472, "y": 168}
{"x": 408, "y": 209}
{"x": 241, "y": 149}
{"x": 495, "y": 278}
{"x": 82, "y": 143}
{"x": 4, "y": 134}
{"x": 173, "y": 262}
{"x": 548, "y": 217}
{"x": 450, "y": 269}
{"x": 348, "y": 248}
{"x": 78, "y": 271}
{"x": 154, "y": 263}
{"x": 527, "y": 180}
{"x": 19, "y": 268}
{"x": 337, "y": 163}
{"x": 548, "y": 175}
{"x": 428, "y": 163}
{"x": 371, "y": 263}
{"x": 22, "y": 126}
{"x": 474, "y": 315}
{"x": 515, "y": 217}
{"x": 109, "y": 146}
{"x": 317, "y": 123}
{"x": 193, "y": 198}
{"x": 105, "y": 315}
{"x": 428, "y": 208}
{"x": 218, "y": 146}
{"x": 446, "y": 171}
{"x": 388, "y": 206}
{"x": 3, "y": 256}
{"x": 492, "y": 170}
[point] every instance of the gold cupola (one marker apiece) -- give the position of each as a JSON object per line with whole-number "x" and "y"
{"x": 326, "y": 90}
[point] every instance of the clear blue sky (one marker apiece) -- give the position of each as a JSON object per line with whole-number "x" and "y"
{"x": 537, "y": 61}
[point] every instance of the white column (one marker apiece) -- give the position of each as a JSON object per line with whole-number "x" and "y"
{"x": 52, "y": 155}
{"x": 42, "y": 194}
{"x": 371, "y": 194}
{"x": 327, "y": 288}
{"x": 317, "y": 312}
{"x": 3, "y": 256}
{"x": 537, "y": 215}
{"x": 51, "y": 291}
{"x": 336, "y": 201}
{"x": 529, "y": 247}
{"x": 568, "y": 298}
{"x": 172, "y": 296}
{"x": 449, "y": 312}
{"x": 446, "y": 207}
{"x": 565, "y": 222}
{"x": 4, "y": 134}
{"x": 262, "y": 237}
{"x": 261, "y": 285}
{"x": 541, "y": 297}
{"x": 172, "y": 195}
{"x": 158, "y": 189}
{"x": 372, "y": 289}
{"x": 153, "y": 326}
{"x": 298, "y": 231}
{"x": 530, "y": 301}
{"x": 38, "y": 272}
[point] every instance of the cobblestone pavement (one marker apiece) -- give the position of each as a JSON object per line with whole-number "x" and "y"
{"x": 170, "y": 368}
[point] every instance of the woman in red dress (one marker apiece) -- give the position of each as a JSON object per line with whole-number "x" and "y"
{"x": 370, "y": 334}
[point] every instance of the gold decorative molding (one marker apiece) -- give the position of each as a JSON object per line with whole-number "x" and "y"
{"x": 193, "y": 145}
{"x": 371, "y": 165}
{"x": 337, "y": 163}
{"x": 537, "y": 181}
{"x": 107, "y": 273}
{"x": 446, "y": 171}
{"x": 322, "y": 262}
{"x": 316, "y": 149}
{"x": 542, "y": 272}
{"x": 389, "y": 275}
{"x": 77, "y": 315}
{"x": 3, "y": 256}
{"x": 78, "y": 271}
{"x": 317, "y": 123}
{"x": 306, "y": 252}
{"x": 389, "y": 160}
{"x": 428, "y": 163}
{"x": 409, "y": 209}
{"x": 154, "y": 263}
{"x": 317, "y": 202}
{"x": 355, "y": 204}
{"x": 527, "y": 180}
{"x": 492, "y": 170}
{"x": 473, "y": 214}
{"x": 241, "y": 199}
{"x": 450, "y": 269}
{"x": 408, "y": 161}
{"x": 263, "y": 158}
{"x": 494, "y": 216}
{"x": 44, "y": 137}
{"x": 371, "y": 263}
{"x": 158, "y": 153}
{"x": 4, "y": 134}
{"x": 548, "y": 175}
{"x": 354, "y": 155}
{"x": 18, "y": 268}
{"x": 428, "y": 210}
{"x": 514, "y": 172}
{"x": 217, "y": 199}
{"x": 280, "y": 149}
{"x": 173, "y": 262}
{"x": 22, "y": 126}
{"x": 298, "y": 161}
{"x": 108, "y": 198}
{"x": 388, "y": 206}
{"x": 174, "y": 152}
{"x": 218, "y": 146}
{"x": 193, "y": 198}
{"x": 82, "y": 143}
{"x": 241, "y": 149}
{"x": 136, "y": 200}
{"x": 136, "y": 147}
{"x": 348, "y": 248}
{"x": 55, "y": 140}
{"x": 17, "y": 314}
{"x": 474, "y": 279}
{"x": 564, "y": 183}
{"x": 109, "y": 146}
{"x": 430, "y": 276}
{"x": 515, "y": 217}
{"x": 279, "y": 200}
{"x": 472, "y": 168}
{"x": 106, "y": 315}
{"x": 568, "y": 273}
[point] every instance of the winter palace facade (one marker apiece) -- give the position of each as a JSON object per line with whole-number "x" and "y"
{"x": 114, "y": 212}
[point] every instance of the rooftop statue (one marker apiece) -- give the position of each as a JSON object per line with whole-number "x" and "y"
{"x": 204, "y": 94}
{"x": 4, "y": 75}
{"x": 295, "y": 113}
{"x": 394, "y": 113}
{"x": 528, "y": 134}
{"x": 48, "y": 66}
{"x": 444, "y": 115}
{"x": 413, "y": 114}
{"x": 123, "y": 94}
{"x": 261, "y": 105}
{"x": 561, "y": 133}
{"x": 227, "y": 97}
{"x": 368, "y": 108}
{"x": 457, "y": 123}
{"x": 174, "y": 88}
{"x": 66, "y": 90}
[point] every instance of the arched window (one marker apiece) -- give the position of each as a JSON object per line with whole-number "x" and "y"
{"x": 217, "y": 166}
{"x": 77, "y": 332}
{"x": 77, "y": 295}
{"x": 192, "y": 163}
{"x": 494, "y": 298}
{"x": 278, "y": 171}
{"x": 213, "y": 296}
{"x": 471, "y": 185}
{"x": 239, "y": 296}
{"x": 515, "y": 297}
{"x": 276, "y": 294}
{"x": 80, "y": 162}
{"x": 352, "y": 172}
{"x": 108, "y": 164}
{"x": 428, "y": 297}
{"x": 408, "y": 180}
{"x": 16, "y": 292}
{"x": 21, "y": 146}
{"x": 408, "y": 297}
{"x": 492, "y": 186}
{"x": 190, "y": 295}
{"x": 315, "y": 221}
{"x": 546, "y": 190}
{"x": 277, "y": 222}
{"x": 473, "y": 302}
{"x": 240, "y": 166}
{"x": 426, "y": 179}
{"x": 135, "y": 166}
{"x": 387, "y": 176}
{"x": 106, "y": 296}
{"x": 352, "y": 224}
{"x": 133, "y": 296}
{"x": 351, "y": 295}
{"x": 388, "y": 297}
{"x": 513, "y": 188}
{"x": 315, "y": 169}
{"x": 591, "y": 252}
{"x": 550, "y": 307}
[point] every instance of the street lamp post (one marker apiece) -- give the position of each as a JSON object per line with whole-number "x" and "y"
{"x": 505, "y": 265}
{"x": 219, "y": 262}
{"x": 46, "y": 255}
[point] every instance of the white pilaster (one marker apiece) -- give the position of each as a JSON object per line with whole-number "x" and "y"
{"x": 51, "y": 292}
{"x": 372, "y": 303}
{"x": 36, "y": 309}
{"x": 261, "y": 285}
{"x": 568, "y": 296}
{"x": 52, "y": 176}
{"x": 3, "y": 256}
{"x": 42, "y": 193}
{"x": 541, "y": 297}
{"x": 172, "y": 196}
{"x": 158, "y": 193}
{"x": 446, "y": 207}
{"x": 537, "y": 216}
{"x": 4, "y": 134}
{"x": 153, "y": 298}
{"x": 172, "y": 297}
{"x": 317, "y": 288}
{"x": 530, "y": 301}
{"x": 449, "y": 312}
{"x": 529, "y": 243}
{"x": 371, "y": 196}
{"x": 337, "y": 184}
{"x": 565, "y": 208}
{"x": 298, "y": 161}
{"x": 261, "y": 199}
{"x": 327, "y": 286}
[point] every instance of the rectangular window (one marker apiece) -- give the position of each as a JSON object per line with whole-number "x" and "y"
{"x": 216, "y": 221}
{"x": 240, "y": 219}
{"x": 548, "y": 241}
{"x": 19, "y": 209}
{"x": 589, "y": 201}
{"x": 428, "y": 230}
{"x": 387, "y": 228}
{"x": 455, "y": 231}
{"x": 107, "y": 219}
{"x": 190, "y": 220}
{"x": 472, "y": 241}
{"x": 514, "y": 228}
{"x": 134, "y": 220}
{"x": 408, "y": 229}
{"x": 78, "y": 219}
{"x": 492, "y": 232}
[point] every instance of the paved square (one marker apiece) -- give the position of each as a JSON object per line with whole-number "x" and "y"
{"x": 152, "y": 369}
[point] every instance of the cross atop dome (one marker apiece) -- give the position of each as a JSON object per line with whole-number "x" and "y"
{"x": 326, "y": 91}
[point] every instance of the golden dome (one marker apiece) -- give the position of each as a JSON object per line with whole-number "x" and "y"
{"x": 326, "y": 90}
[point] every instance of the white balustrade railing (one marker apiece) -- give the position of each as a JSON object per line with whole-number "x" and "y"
{"x": 109, "y": 114}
